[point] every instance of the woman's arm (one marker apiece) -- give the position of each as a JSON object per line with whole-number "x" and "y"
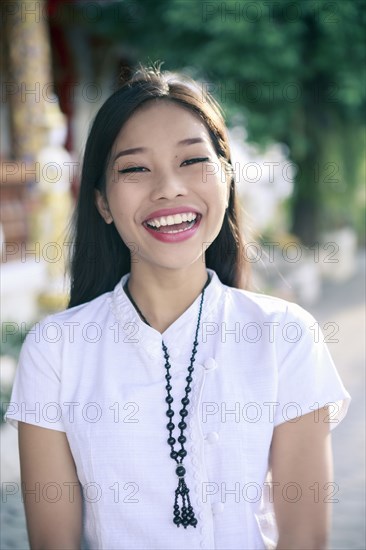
{"x": 301, "y": 463}
{"x": 51, "y": 491}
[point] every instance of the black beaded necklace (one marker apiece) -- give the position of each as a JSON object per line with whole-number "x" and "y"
{"x": 185, "y": 516}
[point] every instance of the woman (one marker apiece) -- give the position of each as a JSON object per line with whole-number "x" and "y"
{"x": 166, "y": 396}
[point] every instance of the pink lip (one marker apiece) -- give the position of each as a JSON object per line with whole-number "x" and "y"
{"x": 171, "y": 212}
{"x": 174, "y": 237}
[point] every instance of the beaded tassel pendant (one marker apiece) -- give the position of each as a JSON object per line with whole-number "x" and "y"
{"x": 184, "y": 516}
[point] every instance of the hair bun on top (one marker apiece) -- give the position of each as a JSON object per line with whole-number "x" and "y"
{"x": 154, "y": 78}
{"x": 131, "y": 75}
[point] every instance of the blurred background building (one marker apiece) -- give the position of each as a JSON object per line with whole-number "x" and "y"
{"x": 290, "y": 77}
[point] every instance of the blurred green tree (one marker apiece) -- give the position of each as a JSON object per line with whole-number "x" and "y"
{"x": 293, "y": 69}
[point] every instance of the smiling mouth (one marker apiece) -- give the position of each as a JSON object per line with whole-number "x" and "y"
{"x": 174, "y": 228}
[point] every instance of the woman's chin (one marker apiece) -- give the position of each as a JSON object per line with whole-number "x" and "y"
{"x": 172, "y": 261}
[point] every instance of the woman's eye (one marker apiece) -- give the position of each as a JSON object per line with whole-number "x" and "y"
{"x": 195, "y": 160}
{"x": 132, "y": 169}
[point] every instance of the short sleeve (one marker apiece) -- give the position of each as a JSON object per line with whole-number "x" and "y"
{"x": 307, "y": 376}
{"x": 35, "y": 397}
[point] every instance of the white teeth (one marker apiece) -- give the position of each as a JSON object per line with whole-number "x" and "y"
{"x": 172, "y": 220}
{"x": 177, "y": 230}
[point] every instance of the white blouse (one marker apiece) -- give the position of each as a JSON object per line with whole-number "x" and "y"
{"x": 96, "y": 372}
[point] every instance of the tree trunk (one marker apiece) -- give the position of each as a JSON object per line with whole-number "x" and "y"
{"x": 306, "y": 202}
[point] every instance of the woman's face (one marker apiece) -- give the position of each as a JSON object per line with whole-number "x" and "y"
{"x": 166, "y": 189}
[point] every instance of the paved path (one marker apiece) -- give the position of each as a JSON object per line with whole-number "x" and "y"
{"x": 345, "y": 305}
{"x": 340, "y": 303}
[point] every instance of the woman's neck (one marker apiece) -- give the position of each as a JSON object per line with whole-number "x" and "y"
{"x": 163, "y": 295}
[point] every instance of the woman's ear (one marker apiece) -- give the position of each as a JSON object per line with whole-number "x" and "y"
{"x": 102, "y": 206}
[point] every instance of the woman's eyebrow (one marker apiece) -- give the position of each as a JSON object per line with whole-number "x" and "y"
{"x": 135, "y": 150}
{"x": 131, "y": 151}
{"x": 191, "y": 141}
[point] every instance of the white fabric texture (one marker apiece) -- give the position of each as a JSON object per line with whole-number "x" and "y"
{"x": 96, "y": 372}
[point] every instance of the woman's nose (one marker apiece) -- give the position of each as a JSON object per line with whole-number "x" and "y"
{"x": 168, "y": 185}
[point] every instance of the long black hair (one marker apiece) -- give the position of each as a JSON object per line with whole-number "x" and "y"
{"x": 99, "y": 257}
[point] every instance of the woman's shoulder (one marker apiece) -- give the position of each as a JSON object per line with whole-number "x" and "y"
{"x": 83, "y": 313}
{"x": 266, "y": 306}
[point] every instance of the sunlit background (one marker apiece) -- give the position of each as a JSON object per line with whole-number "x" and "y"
{"x": 291, "y": 80}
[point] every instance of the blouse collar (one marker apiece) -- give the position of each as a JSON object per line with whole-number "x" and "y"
{"x": 125, "y": 312}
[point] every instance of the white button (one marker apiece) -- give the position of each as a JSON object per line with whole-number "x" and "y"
{"x": 210, "y": 364}
{"x": 217, "y": 508}
{"x": 212, "y": 437}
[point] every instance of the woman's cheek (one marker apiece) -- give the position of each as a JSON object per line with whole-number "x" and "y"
{"x": 215, "y": 193}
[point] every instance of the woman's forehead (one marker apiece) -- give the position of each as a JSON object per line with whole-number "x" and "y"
{"x": 163, "y": 116}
